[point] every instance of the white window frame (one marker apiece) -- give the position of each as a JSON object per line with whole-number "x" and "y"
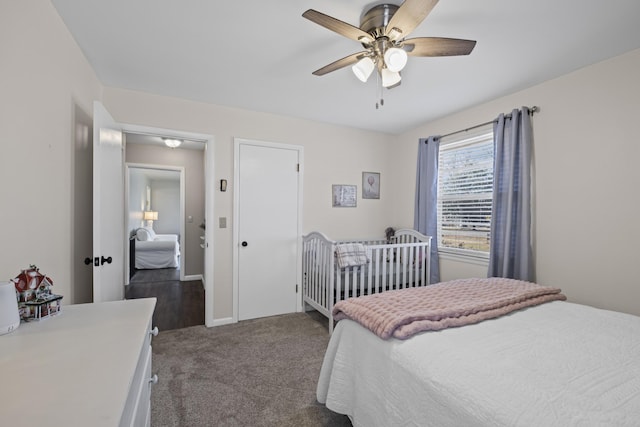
{"x": 482, "y": 134}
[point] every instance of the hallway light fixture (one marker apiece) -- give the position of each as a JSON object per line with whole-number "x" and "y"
{"x": 172, "y": 143}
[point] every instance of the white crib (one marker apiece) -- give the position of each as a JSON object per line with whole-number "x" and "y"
{"x": 399, "y": 263}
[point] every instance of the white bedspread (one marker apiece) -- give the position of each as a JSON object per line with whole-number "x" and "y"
{"x": 557, "y": 364}
{"x": 162, "y": 252}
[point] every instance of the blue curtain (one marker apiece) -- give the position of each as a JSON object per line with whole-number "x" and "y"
{"x": 510, "y": 250}
{"x": 425, "y": 218}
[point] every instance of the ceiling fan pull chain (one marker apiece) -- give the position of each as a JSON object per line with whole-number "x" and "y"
{"x": 377, "y": 86}
{"x": 379, "y": 92}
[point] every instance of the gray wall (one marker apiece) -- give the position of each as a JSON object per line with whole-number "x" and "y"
{"x": 165, "y": 199}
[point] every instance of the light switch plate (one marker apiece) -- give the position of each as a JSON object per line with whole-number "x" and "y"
{"x": 222, "y": 222}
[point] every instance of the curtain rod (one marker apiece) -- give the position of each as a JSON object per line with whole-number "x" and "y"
{"x": 532, "y": 110}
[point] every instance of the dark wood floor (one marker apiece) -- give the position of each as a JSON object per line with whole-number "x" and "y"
{"x": 180, "y": 304}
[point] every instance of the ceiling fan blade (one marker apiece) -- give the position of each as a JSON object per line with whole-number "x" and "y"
{"x": 341, "y": 63}
{"x": 410, "y": 14}
{"x": 338, "y": 26}
{"x": 438, "y": 46}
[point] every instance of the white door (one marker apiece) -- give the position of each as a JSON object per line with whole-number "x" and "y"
{"x": 108, "y": 207}
{"x": 267, "y": 229}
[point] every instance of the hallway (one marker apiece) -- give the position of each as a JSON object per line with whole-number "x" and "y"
{"x": 179, "y": 305}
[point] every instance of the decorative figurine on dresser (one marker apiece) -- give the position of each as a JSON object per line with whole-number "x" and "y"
{"x": 35, "y": 299}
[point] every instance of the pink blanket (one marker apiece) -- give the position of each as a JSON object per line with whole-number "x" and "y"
{"x": 403, "y": 313}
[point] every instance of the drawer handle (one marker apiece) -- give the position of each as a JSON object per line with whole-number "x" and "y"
{"x": 154, "y": 331}
{"x": 153, "y": 379}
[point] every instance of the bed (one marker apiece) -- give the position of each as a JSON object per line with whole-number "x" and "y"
{"x": 401, "y": 260}
{"x": 551, "y": 364}
{"x": 156, "y": 250}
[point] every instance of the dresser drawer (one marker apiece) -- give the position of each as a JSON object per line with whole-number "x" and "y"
{"x": 138, "y": 399}
{"x": 142, "y": 411}
{"x": 98, "y": 359}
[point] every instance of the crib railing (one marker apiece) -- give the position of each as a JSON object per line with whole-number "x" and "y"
{"x": 390, "y": 267}
{"x": 317, "y": 270}
{"x": 401, "y": 263}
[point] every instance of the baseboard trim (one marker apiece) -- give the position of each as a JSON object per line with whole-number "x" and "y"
{"x": 223, "y": 321}
{"x": 193, "y": 277}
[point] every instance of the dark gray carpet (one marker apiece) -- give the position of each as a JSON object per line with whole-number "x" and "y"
{"x": 260, "y": 372}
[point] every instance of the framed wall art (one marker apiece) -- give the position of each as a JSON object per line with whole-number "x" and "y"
{"x": 344, "y": 196}
{"x": 370, "y": 185}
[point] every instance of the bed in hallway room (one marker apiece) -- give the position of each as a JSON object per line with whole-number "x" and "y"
{"x": 152, "y": 251}
{"x": 468, "y": 359}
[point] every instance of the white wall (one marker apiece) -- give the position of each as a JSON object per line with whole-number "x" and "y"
{"x": 47, "y": 89}
{"x": 333, "y": 155}
{"x": 50, "y": 78}
{"x": 586, "y": 153}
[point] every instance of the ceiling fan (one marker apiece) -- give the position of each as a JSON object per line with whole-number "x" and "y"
{"x": 382, "y": 32}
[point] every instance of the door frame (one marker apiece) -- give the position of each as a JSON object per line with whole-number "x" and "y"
{"x": 237, "y": 143}
{"x": 127, "y": 182}
{"x": 209, "y": 189}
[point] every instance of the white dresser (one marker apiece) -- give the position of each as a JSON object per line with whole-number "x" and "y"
{"x": 88, "y": 366}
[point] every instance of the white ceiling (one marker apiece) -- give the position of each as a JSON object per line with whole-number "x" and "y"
{"x": 259, "y": 55}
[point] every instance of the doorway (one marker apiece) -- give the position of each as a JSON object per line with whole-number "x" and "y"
{"x": 194, "y": 218}
{"x": 109, "y": 193}
{"x": 166, "y": 257}
{"x": 158, "y": 192}
{"x": 267, "y": 211}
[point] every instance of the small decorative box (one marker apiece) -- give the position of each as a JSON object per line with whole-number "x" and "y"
{"x": 35, "y": 299}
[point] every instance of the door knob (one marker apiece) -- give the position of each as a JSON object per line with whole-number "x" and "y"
{"x": 88, "y": 261}
{"x": 107, "y": 260}
{"x": 244, "y": 243}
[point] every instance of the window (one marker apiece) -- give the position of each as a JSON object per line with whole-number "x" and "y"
{"x": 465, "y": 193}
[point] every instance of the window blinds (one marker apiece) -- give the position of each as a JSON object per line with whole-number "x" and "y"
{"x": 465, "y": 191}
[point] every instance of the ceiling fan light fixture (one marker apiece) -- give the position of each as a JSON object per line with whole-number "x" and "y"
{"x": 172, "y": 143}
{"x": 383, "y": 33}
{"x": 395, "y": 59}
{"x": 363, "y": 68}
{"x": 390, "y": 78}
